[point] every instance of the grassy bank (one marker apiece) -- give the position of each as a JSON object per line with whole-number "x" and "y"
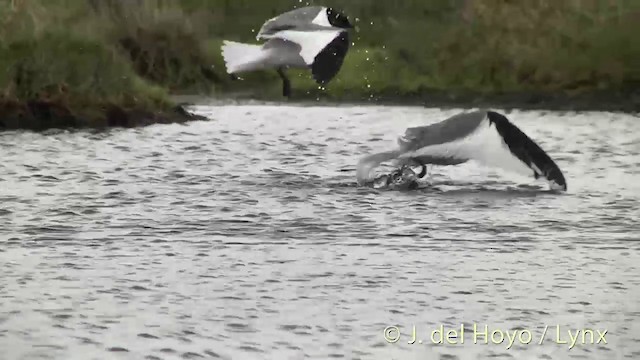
{"x": 451, "y": 51}
{"x": 109, "y": 62}
{"x": 66, "y": 64}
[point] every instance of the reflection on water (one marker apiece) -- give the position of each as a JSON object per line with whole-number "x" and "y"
{"x": 245, "y": 237}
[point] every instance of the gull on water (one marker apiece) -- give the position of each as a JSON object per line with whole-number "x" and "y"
{"x": 312, "y": 37}
{"x": 487, "y": 137}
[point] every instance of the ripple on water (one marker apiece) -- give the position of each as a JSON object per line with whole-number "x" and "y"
{"x": 245, "y": 237}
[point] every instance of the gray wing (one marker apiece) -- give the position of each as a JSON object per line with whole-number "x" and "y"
{"x": 287, "y": 52}
{"x": 298, "y": 19}
{"x": 416, "y": 138}
{"x": 485, "y": 136}
{"x": 454, "y": 128}
{"x": 451, "y": 129}
{"x": 503, "y": 145}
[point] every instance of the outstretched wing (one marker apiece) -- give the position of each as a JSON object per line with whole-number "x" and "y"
{"x": 303, "y": 19}
{"x": 527, "y": 151}
{"x": 322, "y": 45}
{"x": 328, "y": 61}
{"x": 485, "y": 136}
{"x": 312, "y": 43}
{"x": 443, "y": 143}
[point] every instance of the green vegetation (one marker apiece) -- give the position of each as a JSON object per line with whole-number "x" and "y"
{"x": 111, "y": 62}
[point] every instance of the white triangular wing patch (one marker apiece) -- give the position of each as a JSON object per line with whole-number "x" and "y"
{"x": 311, "y": 42}
{"x": 322, "y": 18}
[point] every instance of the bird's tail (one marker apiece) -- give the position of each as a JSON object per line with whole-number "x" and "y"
{"x": 239, "y": 57}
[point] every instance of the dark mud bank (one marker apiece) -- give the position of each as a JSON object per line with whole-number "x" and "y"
{"x": 38, "y": 115}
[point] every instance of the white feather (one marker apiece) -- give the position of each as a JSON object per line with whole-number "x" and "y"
{"x": 240, "y": 57}
{"x": 311, "y": 42}
{"x": 322, "y": 18}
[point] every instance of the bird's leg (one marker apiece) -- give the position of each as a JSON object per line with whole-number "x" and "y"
{"x": 410, "y": 162}
{"x": 423, "y": 172}
{"x": 286, "y": 84}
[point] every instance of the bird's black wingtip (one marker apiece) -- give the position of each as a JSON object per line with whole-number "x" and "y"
{"x": 528, "y": 151}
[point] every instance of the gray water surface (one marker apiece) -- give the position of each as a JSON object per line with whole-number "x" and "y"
{"x": 245, "y": 237}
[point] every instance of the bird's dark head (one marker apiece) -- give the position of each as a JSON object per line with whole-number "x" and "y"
{"x": 338, "y": 19}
